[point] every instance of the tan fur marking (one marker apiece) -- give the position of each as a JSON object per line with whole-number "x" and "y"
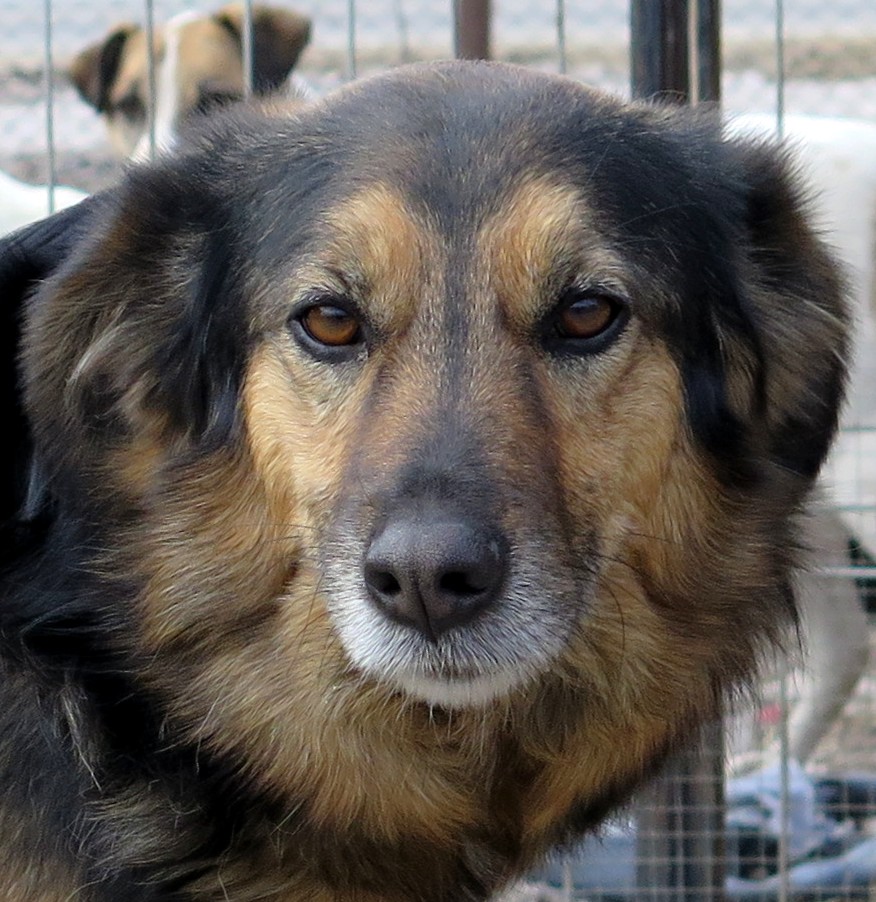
{"x": 137, "y": 466}
{"x": 545, "y": 233}
{"x": 314, "y": 736}
{"x": 208, "y": 55}
{"x": 299, "y": 436}
{"x": 299, "y": 451}
{"x": 180, "y": 555}
{"x": 626, "y": 466}
{"x": 617, "y": 446}
{"x": 374, "y": 237}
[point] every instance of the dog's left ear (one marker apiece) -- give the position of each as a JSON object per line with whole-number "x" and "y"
{"x": 279, "y": 37}
{"x": 785, "y": 342}
{"x": 28, "y": 257}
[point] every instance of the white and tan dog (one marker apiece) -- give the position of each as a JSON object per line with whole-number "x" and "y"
{"x": 199, "y": 65}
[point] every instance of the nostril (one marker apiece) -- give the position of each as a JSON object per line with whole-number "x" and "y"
{"x": 464, "y": 584}
{"x": 382, "y": 581}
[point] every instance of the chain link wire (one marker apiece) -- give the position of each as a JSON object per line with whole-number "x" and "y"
{"x": 782, "y": 59}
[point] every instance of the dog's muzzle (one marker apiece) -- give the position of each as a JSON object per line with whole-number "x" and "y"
{"x": 435, "y": 570}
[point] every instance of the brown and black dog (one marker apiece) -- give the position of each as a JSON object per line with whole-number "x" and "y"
{"x": 403, "y": 478}
{"x": 198, "y": 66}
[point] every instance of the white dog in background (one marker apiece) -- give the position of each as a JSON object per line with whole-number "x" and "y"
{"x": 198, "y": 61}
{"x": 199, "y": 65}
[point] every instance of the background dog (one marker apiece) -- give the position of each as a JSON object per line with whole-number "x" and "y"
{"x": 405, "y": 477}
{"x": 198, "y": 66}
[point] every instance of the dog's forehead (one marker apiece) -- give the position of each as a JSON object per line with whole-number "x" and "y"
{"x": 207, "y": 52}
{"x": 504, "y": 271}
{"x": 458, "y": 140}
{"x": 509, "y": 174}
{"x": 487, "y": 171}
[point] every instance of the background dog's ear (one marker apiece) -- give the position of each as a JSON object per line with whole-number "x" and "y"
{"x": 94, "y": 70}
{"x": 279, "y": 37}
{"x": 27, "y": 257}
{"x": 795, "y": 301}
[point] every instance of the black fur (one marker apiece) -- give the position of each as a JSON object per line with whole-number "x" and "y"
{"x": 178, "y": 276}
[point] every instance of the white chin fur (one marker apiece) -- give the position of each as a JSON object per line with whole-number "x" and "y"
{"x": 472, "y": 692}
{"x": 471, "y": 668}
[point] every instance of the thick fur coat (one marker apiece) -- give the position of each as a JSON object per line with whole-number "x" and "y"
{"x": 398, "y": 480}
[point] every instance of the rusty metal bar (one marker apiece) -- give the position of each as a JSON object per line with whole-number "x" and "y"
{"x": 659, "y": 49}
{"x": 675, "y": 55}
{"x": 471, "y": 29}
{"x": 707, "y": 44}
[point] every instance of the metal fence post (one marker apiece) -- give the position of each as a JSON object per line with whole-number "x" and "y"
{"x": 707, "y": 49}
{"x": 659, "y": 49}
{"x": 680, "y": 819}
{"x": 675, "y": 55}
{"x": 471, "y": 29}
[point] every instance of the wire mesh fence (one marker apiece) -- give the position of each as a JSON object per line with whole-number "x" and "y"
{"x": 794, "y": 815}
{"x": 829, "y": 57}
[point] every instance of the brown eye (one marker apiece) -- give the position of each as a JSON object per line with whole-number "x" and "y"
{"x": 586, "y": 317}
{"x": 331, "y": 326}
{"x": 131, "y": 107}
{"x": 585, "y": 321}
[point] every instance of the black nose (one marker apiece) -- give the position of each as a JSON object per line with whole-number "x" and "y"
{"x": 435, "y": 572}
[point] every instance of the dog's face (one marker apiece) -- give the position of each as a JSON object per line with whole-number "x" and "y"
{"x": 198, "y": 67}
{"x": 465, "y": 388}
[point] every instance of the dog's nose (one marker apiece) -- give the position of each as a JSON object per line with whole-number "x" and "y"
{"x": 435, "y": 574}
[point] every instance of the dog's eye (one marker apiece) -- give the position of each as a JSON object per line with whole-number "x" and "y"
{"x": 586, "y": 317}
{"x": 131, "y": 107}
{"x": 331, "y": 326}
{"x": 584, "y": 321}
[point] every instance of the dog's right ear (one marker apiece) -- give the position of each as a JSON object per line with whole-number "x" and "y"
{"x": 279, "y": 38}
{"x": 27, "y": 257}
{"x": 94, "y": 70}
